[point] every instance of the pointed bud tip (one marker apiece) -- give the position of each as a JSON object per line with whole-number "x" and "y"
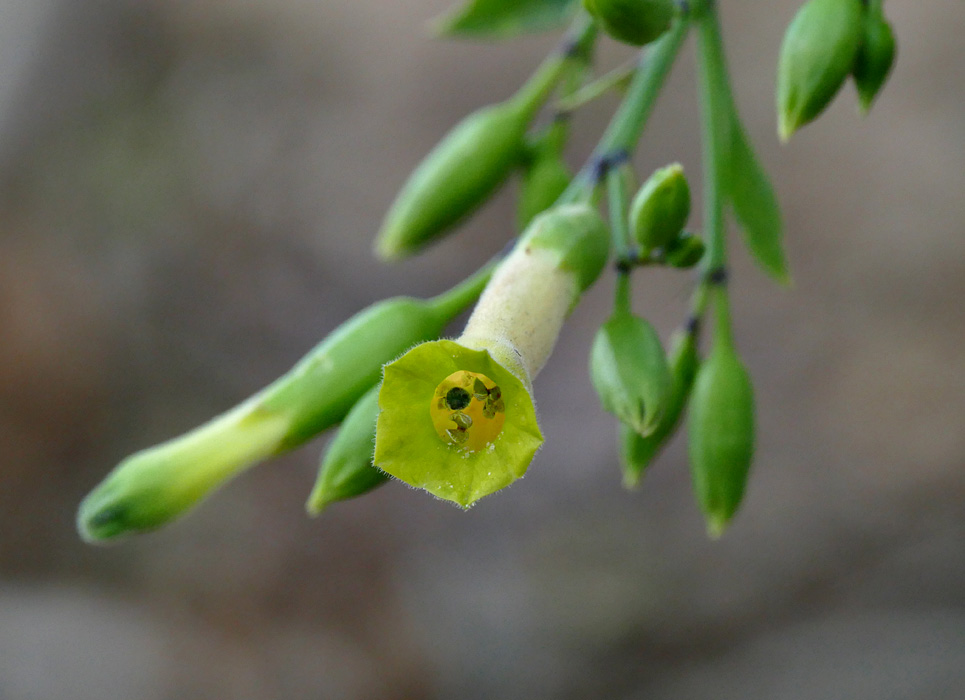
{"x": 316, "y": 504}
{"x": 631, "y": 482}
{"x": 716, "y": 525}
{"x": 785, "y": 131}
{"x": 386, "y": 251}
{"x": 100, "y": 518}
{"x": 783, "y": 278}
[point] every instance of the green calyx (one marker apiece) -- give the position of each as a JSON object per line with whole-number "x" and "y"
{"x": 875, "y": 57}
{"x": 159, "y": 484}
{"x": 635, "y": 22}
{"x": 346, "y": 470}
{"x": 452, "y": 464}
{"x": 721, "y": 435}
{"x": 817, "y": 55}
{"x": 629, "y": 371}
{"x": 638, "y": 451}
{"x": 577, "y": 236}
{"x": 660, "y": 209}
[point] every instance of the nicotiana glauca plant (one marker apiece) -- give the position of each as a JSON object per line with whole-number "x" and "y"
{"x": 457, "y": 417}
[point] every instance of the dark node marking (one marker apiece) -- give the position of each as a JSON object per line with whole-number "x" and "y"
{"x": 605, "y": 162}
{"x": 717, "y": 276}
{"x": 693, "y": 325}
{"x": 618, "y": 158}
{"x": 457, "y": 398}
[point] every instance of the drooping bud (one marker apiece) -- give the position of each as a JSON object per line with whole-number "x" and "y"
{"x": 818, "y": 53}
{"x": 875, "y": 57}
{"x": 660, "y": 209}
{"x": 457, "y": 417}
{"x": 464, "y": 169}
{"x": 635, "y": 22}
{"x": 157, "y": 485}
{"x": 347, "y": 470}
{"x": 721, "y": 435}
{"x": 629, "y": 371}
{"x": 638, "y": 451}
{"x": 685, "y": 251}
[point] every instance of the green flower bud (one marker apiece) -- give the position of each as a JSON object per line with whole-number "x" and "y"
{"x": 685, "y": 251}
{"x": 629, "y": 371}
{"x": 545, "y": 177}
{"x": 465, "y": 168}
{"x": 155, "y": 486}
{"x": 660, "y": 209}
{"x": 458, "y": 418}
{"x": 635, "y": 22}
{"x": 460, "y": 173}
{"x": 721, "y": 432}
{"x": 817, "y": 55}
{"x": 347, "y": 470}
{"x": 875, "y": 57}
{"x": 638, "y": 451}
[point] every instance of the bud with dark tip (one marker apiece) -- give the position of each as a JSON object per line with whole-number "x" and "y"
{"x": 347, "y": 470}
{"x": 660, "y": 209}
{"x": 635, "y": 22}
{"x": 639, "y": 451}
{"x": 629, "y": 371}
{"x": 875, "y": 57}
{"x": 721, "y": 435}
{"x": 817, "y": 55}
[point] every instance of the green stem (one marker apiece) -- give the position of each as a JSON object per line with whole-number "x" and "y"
{"x": 617, "y": 185}
{"x": 577, "y": 44}
{"x": 631, "y": 117}
{"x": 715, "y": 130}
{"x": 616, "y": 78}
{"x": 451, "y": 302}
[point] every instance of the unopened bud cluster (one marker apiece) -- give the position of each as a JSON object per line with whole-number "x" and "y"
{"x": 827, "y": 41}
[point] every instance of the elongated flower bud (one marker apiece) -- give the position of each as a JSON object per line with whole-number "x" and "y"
{"x": 660, "y": 209}
{"x": 629, "y": 371}
{"x": 817, "y": 54}
{"x": 157, "y": 485}
{"x": 638, "y": 451}
{"x": 458, "y": 418}
{"x": 635, "y": 22}
{"x": 464, "y": 169}
{"x": 721, "y": 432}
{"x": 347, "y": 470}
{"x": 875, "y": 57}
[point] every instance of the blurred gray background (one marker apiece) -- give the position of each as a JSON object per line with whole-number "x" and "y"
{"x": 188, "y": 195}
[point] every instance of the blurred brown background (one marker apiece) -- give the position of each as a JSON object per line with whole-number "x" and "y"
{"x": 188, "y": 194}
